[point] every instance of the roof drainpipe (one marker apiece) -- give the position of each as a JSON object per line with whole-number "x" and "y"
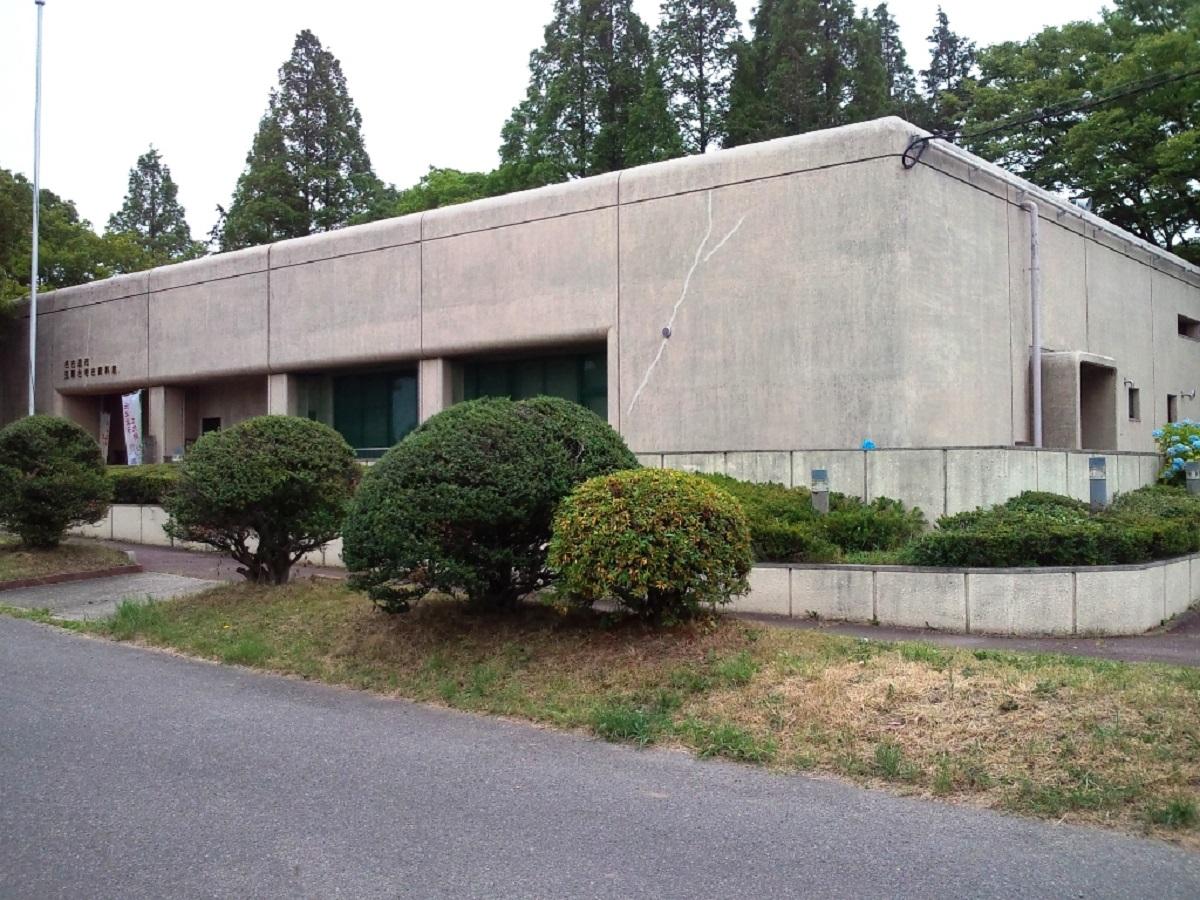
{"x": 1035, "y": 312}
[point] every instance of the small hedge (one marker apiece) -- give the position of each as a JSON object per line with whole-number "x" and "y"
{"x": 662, "y": 543}
{"x": 1037, "y": 529}
{"x": 144, "y": 485}
{"x": 784, "y": 526}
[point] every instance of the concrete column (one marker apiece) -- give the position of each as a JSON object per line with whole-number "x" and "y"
{"x": 167, "y": 423}
{"x": 435, "y": 386}
{"x": 613, "y": 355}
{"x": 82, "y": 410}
{"x": 282, "y": 395}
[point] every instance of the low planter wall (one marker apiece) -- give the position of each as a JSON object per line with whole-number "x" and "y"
{"x": 1092, "y": 600}
{"x": 1100, "y": 600}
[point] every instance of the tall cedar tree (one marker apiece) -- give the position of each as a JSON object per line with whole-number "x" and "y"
{"x": 810, "y": 64}
{"x": 696, "y": 42}
{"x": 903, "y": 99}
{"x": 595, "y": 101}
{"x": 1135, "y": 158}
{"x": 307, "y": 170}
{"x": 951, "y": 64}
{"x": 152, "y": 218}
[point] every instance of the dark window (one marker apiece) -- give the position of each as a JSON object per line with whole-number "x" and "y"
{"x": 1189, "y": 328}
{"x": 1135, "y": 405}
{"x": 582, "y": 378}
{"x": 1172, "y": 408}
{"x": 374, "y": 410}
{"x": 210, "y": 424}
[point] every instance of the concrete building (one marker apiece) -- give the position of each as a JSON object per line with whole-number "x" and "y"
{"x": 762, "y": 311}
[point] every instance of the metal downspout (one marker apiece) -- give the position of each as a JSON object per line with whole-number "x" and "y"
{"x": 1035, "y": 311}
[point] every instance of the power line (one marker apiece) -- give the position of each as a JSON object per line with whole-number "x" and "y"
{"x": 1067, "y": 107}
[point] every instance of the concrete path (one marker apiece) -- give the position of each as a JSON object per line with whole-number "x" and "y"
{"x": 1179, "y": 646}
{"x": 98, "y": 597}
{"x": 129, "y": 773}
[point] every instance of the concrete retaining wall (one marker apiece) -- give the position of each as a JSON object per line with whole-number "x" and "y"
{"x": 1098, "y": 600}
{"x": 941, "y": 481}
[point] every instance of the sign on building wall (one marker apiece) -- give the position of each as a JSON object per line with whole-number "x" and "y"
{"x": 131, "y": 411}
{"x": 105, "y": 423}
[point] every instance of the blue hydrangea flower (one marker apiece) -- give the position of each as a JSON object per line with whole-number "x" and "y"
{"x": 1156, "y": 433}
{"x": 1177, "y": 464}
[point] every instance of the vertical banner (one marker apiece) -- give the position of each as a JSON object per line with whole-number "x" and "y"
{"x": 105, "y": 425}
{"x": 131, "y": 411}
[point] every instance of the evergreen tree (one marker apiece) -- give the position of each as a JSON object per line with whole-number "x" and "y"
{"x": 903, "y": 99}
{"x": 595, "y": 101}
{"x": 810, "y": 64}
{"x": 951, "y": 64}
{"x": 696, "y": 42}
{"x": 308, "y": 169}
{"x": 152, "y": 216}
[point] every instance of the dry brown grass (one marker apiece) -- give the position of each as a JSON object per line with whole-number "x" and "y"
{"x": 18, "y": 562}
{"x": 1081, "y": 740}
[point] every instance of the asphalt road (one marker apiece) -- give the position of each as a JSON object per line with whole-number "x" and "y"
{"x": 129, "y": 773}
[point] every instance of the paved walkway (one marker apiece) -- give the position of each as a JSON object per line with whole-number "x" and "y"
{"x": 1179, "y": 646}
{"x": 135, "y": 774}
{"x": 98, "y": 597}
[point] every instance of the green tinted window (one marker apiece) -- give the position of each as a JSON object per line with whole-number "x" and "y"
{"x": 374, "y": 410}
{"x": 579, "y": 377}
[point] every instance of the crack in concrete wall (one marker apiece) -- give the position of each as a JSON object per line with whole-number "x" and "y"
{"x": 700, "y": 259}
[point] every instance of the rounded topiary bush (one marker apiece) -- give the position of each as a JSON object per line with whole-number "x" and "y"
{"x": 51, "y": 477}
{"x": 661, "y": 543}
{"x": 266, "y": 491}
{"x": 464, "y": 503}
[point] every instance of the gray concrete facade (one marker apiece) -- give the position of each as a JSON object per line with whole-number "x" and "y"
{"x": 818, "y": 294}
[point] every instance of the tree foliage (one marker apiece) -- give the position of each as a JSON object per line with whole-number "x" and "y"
{"x": 307, "y": 170}
{"x": 696, "y": 42}
{"x": 69, "y": 251}
{"x": 152, "y": 217}
{"x": 1135, "y": 157}
{"x": 951, "y": 65}
{"x": 595, "y": 102}
{"x": 442, "y": 187}
{"x": 810, "y": 64}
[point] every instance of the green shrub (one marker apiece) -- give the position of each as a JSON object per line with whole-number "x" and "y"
{"x": 51, "y": 477}
{"x": 266, "y": 491}
{"x": 661, "y": 543}
{"x": 143, "y": 485}
{"x": 784, "y": 526}
{"x": 465, "y": 502}
{"x": 882, "y": 524}
{"x": 1039, "y": 529}
{"x": 1162, "y": 500}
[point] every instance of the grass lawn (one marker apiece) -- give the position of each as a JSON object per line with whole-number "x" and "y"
{"x": 17, "y": 562}
{"x": 1052, "y": 736}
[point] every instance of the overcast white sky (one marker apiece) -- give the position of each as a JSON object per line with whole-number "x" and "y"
{"x": 434, "y": 80}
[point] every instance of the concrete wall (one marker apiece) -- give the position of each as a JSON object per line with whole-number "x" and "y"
{"x": 818, "y": 294}
{"x": 939, "y": 481}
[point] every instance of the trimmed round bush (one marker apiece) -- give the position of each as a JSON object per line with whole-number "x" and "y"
{"x": 464, "y": 503}
{"x": 51, "y": 477}
{"x": 265, "y": 491}
{"x": 882, "y": 524}
{"x": 662, "y": 544}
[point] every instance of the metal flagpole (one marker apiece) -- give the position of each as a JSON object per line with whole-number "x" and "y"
{"x": 37, "y": 202}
